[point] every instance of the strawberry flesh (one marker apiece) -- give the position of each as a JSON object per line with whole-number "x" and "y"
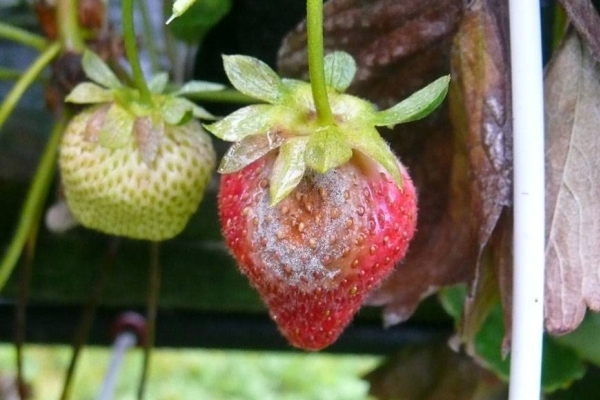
{"x": 316, "y": 255}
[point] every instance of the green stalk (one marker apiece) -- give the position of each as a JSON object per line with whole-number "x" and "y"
{"x": 22, "y": 36}
{"x": 132, "y": 51}
{"x": 67, "y": 17}
{"x": 151, "y": 311}
{"x": 34, "y": 201}
{"x": 314, "y": 33}
{"x": 15, "y": 94}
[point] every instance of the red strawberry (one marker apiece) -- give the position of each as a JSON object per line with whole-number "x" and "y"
{"x": 316, "y": 213}
{"x": 316, "y": 255}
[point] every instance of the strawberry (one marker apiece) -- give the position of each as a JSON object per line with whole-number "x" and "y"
{"x": 133, "y": 169}
{"x": 115, "y": 191}
{"x": 316, "y": 214}
{"x": 315, "y": 255}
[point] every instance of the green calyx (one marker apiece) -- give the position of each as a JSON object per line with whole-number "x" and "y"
{"x": 288, "y": 122}
{"x": 126, "y": 116}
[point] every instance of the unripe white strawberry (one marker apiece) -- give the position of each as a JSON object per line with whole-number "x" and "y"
{"x": 122, "y": 191}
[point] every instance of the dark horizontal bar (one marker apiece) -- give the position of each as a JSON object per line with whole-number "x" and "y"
{"x": 191, "y": 329}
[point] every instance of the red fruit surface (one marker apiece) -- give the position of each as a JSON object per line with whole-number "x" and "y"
{"x": 316, "y": 255}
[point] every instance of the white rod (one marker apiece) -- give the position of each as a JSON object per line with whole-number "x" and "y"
{"x": 121, "y": 345}
{"x": 528, "y": 129}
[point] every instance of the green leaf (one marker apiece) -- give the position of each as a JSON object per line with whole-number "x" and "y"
{"x": 416, "y": 106}
{"x": 88, "y": 93}
{"x": 194, "y": 87}
{"x": 175, "y": 109}
{"x": 340, "y": 69}
{"x": 197, "y": 19}
{"x": 159, "y": 82}
{"x": 327, "y": 149}
{"x": 561, "y": 366}
{"x": 585, "y": 340}
{"x": 254, "y": 78}
{"x": 248, "y": 150}
{"x": 368, "y": 141}
{"x": 246, "y": 121}
{"x": 288, "y": 169}
{"x": 117, "y": 129}
{"x": 98, "y": 71}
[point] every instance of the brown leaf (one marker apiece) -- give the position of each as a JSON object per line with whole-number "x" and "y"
{"x": 480, "y": 107}
{"x": 448, "y": 249}
{"x": 572, "y": 96}
{"x": 585, "y": 19}
{"x": 433, "y": 372}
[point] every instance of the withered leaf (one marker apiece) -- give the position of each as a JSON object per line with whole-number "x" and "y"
{"x": 479, "y": 179}
{"x": 586, "y": 20}
{"x": 480, "y": 110}
{"x": 572, "y": 96}
{"x": 399, "y": 47}
{"x": 434, "y": 372}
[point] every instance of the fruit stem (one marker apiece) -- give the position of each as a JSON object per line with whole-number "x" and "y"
{"x": 316, "y": 69}
{"x": 67, "y": 12}
{"x": 132, "y": 52}
{"x": 18, "y": 35}
{"x": 33, "y": 203}
{"x": 151, "y": 311}
{"x": 30, "y": 75}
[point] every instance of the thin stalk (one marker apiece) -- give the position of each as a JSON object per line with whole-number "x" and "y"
{"x": 18, "y": 35}
{"x": 34, "y": 202}
{"x": 314, "y": 32}
{"x": 21, "y": 309}
{"x": 151, "y": 311}
{"x": 89, "y": 314}
{"x": 30, "y": 75}
{"x": 132, "y": 51}
{"x": 150, "y": 36}
{"x": 70, "y": 34}
{"x": 528, "y": 193}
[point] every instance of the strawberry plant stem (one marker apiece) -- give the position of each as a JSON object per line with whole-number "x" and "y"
{"x": 67, "y": 12}
{"x": 15, "y": 94}
{"x": 132, "y": 51}
{"x": 314, "y": 33}
{"x": 22, "y": 36}
{"x": 33, "y": 203}
{"x": 151, "y": 310}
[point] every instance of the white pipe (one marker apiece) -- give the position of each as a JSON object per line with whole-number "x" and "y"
{"x": 123, "y": 342}
{"x": 528, "y": 129}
